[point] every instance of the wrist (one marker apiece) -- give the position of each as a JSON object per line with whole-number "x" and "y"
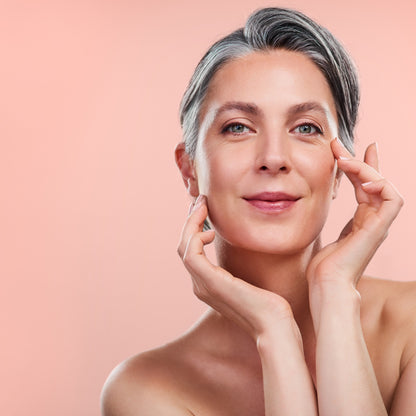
{"x": 336, "y": 292}
{"x": 337, "y": 301}
{"x": 283, "y": 336}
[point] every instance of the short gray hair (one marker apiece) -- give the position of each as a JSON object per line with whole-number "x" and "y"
{"x": 277, "y": 28}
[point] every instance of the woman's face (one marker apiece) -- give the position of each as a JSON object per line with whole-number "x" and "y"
{"x": 263, "y": 158}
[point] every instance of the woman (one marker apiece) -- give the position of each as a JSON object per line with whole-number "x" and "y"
{"x": 294, "y": 328}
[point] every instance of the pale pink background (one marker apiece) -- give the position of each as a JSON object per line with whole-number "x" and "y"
{"x": 91, "y": 201}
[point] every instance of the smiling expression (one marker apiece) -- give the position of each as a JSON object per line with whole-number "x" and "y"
{"x": 263, "y": 157}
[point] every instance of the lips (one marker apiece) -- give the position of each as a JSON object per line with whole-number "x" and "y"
{"x": 272, "y": 201}
{"x": 272, "y": 197}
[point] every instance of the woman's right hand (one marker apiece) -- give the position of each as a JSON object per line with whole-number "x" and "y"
{"x": 264, "y": 315}
{"x": 252, "y": 308}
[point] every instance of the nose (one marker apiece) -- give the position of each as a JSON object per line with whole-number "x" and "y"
{"x": 273, "y": 153}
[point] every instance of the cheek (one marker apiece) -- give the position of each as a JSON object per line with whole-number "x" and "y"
{"x": 203, "y": 167}
{"x": 319, "y": 168}
{"x": 219, "y": 171}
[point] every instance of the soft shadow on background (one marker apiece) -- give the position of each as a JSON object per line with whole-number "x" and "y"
{"x": 92, "y": 204}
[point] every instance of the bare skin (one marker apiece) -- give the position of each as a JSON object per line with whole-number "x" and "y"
{"x": 214, "y": 369}
{"x": 294, "y": 328}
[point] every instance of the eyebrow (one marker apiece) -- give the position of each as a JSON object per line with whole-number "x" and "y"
{"x": 248, "y": 108}
{"x": 308, "y": 106}
{"x": 253, "y": 109}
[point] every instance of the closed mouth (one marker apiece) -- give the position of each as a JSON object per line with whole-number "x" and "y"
{"x": 271, "y": 197}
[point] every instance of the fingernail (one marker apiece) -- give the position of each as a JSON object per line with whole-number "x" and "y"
{"x": 195, "y": 204}
{"x": 340, "y": 142}
{"x": 199, "y": 201}
{"x": 366, "y": 184}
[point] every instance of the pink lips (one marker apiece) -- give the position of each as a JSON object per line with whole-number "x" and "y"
{"x": 272, "y": 202}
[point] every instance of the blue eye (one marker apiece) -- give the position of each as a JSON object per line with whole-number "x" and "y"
{"x": 236, "y": 128}
{"x": 308, "y": 129}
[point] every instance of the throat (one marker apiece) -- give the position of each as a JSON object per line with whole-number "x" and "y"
{"x": 284, "y": 275}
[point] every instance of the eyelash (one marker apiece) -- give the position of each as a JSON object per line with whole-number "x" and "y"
{"x": 318, "y": 130}
{"x": 227, "y": 129}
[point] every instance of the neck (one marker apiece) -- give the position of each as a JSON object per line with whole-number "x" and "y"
{"x": 284, "y": 275}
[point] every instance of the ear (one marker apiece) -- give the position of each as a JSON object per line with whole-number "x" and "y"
{"x": 337, "y": 182}
{"x": 187, "y": 168}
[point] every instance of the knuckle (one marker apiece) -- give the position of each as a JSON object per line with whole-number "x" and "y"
{"x": 211, "y": 290}
{"x": 196, "y": 291}
{"x": 200, "y": 293}
{"x": 204, "y": 289}
{"x": 185, "y": 250}
{"x": 186, "y": 262}
{"x": 187, "y": 259}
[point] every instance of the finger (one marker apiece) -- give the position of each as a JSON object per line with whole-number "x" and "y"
{"x": 371, "y": 156}
{"x": 194, "y": 257}
{"x": 392, "y": 200}
{"x": 358, "y": 172}
{"x": 211, "y": 283}
{"x": 229, "y": 295}
{"x": 194, "y": 223}
{"x": 339, "y": 150}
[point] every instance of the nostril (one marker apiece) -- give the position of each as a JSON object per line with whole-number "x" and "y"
{"x": 282, "y": 168}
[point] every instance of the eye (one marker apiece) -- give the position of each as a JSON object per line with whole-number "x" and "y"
{"x": 307, "y": 128}
{"x": 236, "y": 128}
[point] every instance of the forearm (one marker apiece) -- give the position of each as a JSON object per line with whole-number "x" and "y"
{"x": 346, "y": 382}
{"x": 288, "y": 387}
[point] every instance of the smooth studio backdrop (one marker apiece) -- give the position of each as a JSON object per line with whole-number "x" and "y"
{"x": 92, "y": 204}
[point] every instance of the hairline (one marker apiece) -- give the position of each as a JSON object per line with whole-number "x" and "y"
{"x": 327, "y": 54}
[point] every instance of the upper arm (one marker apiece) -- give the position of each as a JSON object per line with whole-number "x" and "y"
{"x": 134, "y": 391}
{"x": 404, "y": 402}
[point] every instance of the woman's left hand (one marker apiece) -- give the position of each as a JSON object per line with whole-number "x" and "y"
{"x": 378, "y": 205}
{"x": 346, "y": 381}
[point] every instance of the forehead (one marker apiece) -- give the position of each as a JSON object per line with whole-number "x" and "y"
{"x": 277, "y": 78}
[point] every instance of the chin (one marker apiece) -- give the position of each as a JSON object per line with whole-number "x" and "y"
{"x": 267, "y": 239}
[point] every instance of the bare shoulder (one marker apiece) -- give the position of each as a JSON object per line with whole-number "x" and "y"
{"x": 396, "y": 298}
{"x": 144, "y": 385}
{"x": 394, "y": 304}
{"x": 199, "y": 373}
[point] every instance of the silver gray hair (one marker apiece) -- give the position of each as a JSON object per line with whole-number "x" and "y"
{"x": 277, "y": 28}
